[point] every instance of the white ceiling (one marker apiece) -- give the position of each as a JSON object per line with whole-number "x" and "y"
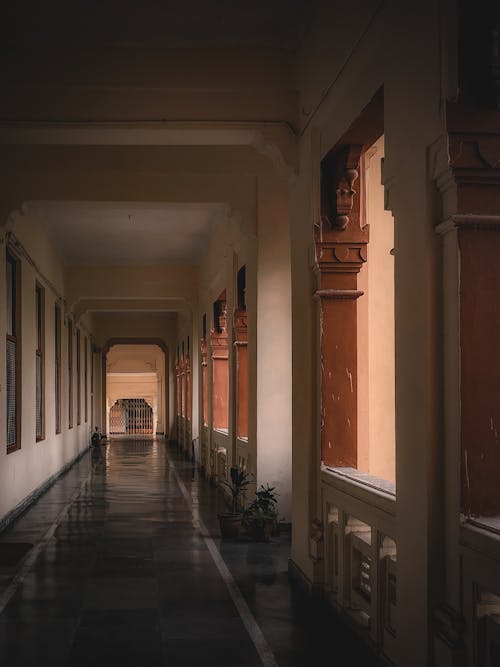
{"x": 127, "y": 233}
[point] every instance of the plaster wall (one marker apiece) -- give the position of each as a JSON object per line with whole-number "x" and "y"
{"x": 26, "y": 469}
{"x": 274, "y": 361}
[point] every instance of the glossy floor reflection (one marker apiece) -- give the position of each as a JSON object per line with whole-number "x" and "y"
{"x": 123, "y": 572}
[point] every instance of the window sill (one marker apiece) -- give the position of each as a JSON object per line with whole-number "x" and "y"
{"x": 376, "y": 483}
{"x": 369, "y": 489}
{"x": 481, "y": 534}
{"x": 488, "y": 523}
{"x": 224, "y": 431}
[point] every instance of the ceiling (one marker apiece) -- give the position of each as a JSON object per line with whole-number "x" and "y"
{"x": 277, "y": 24}
{"x": 127, "y": 233}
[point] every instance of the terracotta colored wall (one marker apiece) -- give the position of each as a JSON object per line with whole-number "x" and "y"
{"x": 220, "y": 393}
{"x": 480, "y": 370}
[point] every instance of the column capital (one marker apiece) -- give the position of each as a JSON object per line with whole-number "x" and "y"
{"x": 240, "y": 327}
{"x": 341, "y": 236}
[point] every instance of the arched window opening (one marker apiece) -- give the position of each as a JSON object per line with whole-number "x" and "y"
{"x": 355, "y": 252}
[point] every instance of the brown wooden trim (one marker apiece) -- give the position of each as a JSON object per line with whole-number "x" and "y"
{"x": 78, "y": 377}
{"x": 40, "y": 352}
{"x": 57, "y": 366}
{"x": 86, "y": 378}
{"x": 70, "y": 373}
{"x": 479, "y": 370}
{"x": 17, "y": 338}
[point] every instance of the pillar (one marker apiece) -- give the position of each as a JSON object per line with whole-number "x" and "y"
{"x": 341, "y": 242}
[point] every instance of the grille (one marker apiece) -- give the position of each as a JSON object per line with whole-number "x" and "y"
{"x": 11, "y": 393}
{"x": 39, "y": 431}
{"x": 131, "y": 416}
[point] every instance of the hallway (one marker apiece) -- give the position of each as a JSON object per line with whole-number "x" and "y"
{"x": 127, "y": 568}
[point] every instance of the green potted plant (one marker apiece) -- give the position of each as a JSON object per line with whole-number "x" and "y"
{"x": 230, "y": 522}
{"x": 261, "y": 515}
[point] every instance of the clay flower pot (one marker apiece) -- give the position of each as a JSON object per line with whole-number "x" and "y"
{"x": 230, "y": 524}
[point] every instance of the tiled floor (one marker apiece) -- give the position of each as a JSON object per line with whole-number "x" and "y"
{"x": 128, "y": 568}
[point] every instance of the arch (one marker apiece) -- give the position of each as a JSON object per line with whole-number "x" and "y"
{"x": 111, "y": 342}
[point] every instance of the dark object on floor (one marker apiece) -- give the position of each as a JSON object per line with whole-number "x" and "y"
{"x": 12, "y": 552}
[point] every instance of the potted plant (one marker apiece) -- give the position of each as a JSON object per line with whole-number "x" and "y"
{"x": 261, "y": 515}
{"x": 230, "y": 521}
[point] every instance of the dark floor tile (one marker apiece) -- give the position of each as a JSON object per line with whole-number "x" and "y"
{"x": 124, "y": 652}
{"x": 38, "y": 644}
{"x": 120, "y": 593}
{"x": 237, "y": 651}
{"x": 127, "y": 578}
{"x": 196, "y": 627}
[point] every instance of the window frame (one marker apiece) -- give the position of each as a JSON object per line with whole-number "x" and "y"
{"x": 86, "y": 378}
{"x": 70, "y": 374}
{"x": 57, "y": 367}
{"x": 40, "y": 355}
{"x": 78, "y": 379}
{"x": 15, "y": 337}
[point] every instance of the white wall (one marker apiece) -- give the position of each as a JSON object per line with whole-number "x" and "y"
{"x": 26, "y": 469}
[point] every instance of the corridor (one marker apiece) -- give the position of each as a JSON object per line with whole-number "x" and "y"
{"x": 126, "y": 567}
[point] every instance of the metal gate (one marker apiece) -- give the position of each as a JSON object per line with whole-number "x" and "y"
{"x": 131, "y": 416}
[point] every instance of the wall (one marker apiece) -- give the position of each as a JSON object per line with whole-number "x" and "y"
{"x": 26, "y": 469}
{"x": 376, "y": 353}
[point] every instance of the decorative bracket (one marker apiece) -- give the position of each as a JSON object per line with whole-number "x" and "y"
{"x": 339, "y": 171}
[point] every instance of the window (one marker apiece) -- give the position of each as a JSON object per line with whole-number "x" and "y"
{"x": 70, "y": 373}
{"x": 178, "y": 383}
{"x": 13, "y": 296}
{"x": 40, "y": 362}
{"x": 86, "y": 378}
{"x": 183, "y": 381}
{"x": 78, "y": 379}
{"x": 91, "y": 384}
{"x": 242, "y": 288}
{"x": 356, "y": 324}
{"x": 188, "y": 383}
{"x": 57, "y": 366}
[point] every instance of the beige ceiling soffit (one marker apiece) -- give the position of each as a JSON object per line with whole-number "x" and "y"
{"x": 154, "y": 134}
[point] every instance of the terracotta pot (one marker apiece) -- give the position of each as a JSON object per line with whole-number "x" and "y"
{"x": 262, "y": 532}
{"x": 230, "y": 524}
